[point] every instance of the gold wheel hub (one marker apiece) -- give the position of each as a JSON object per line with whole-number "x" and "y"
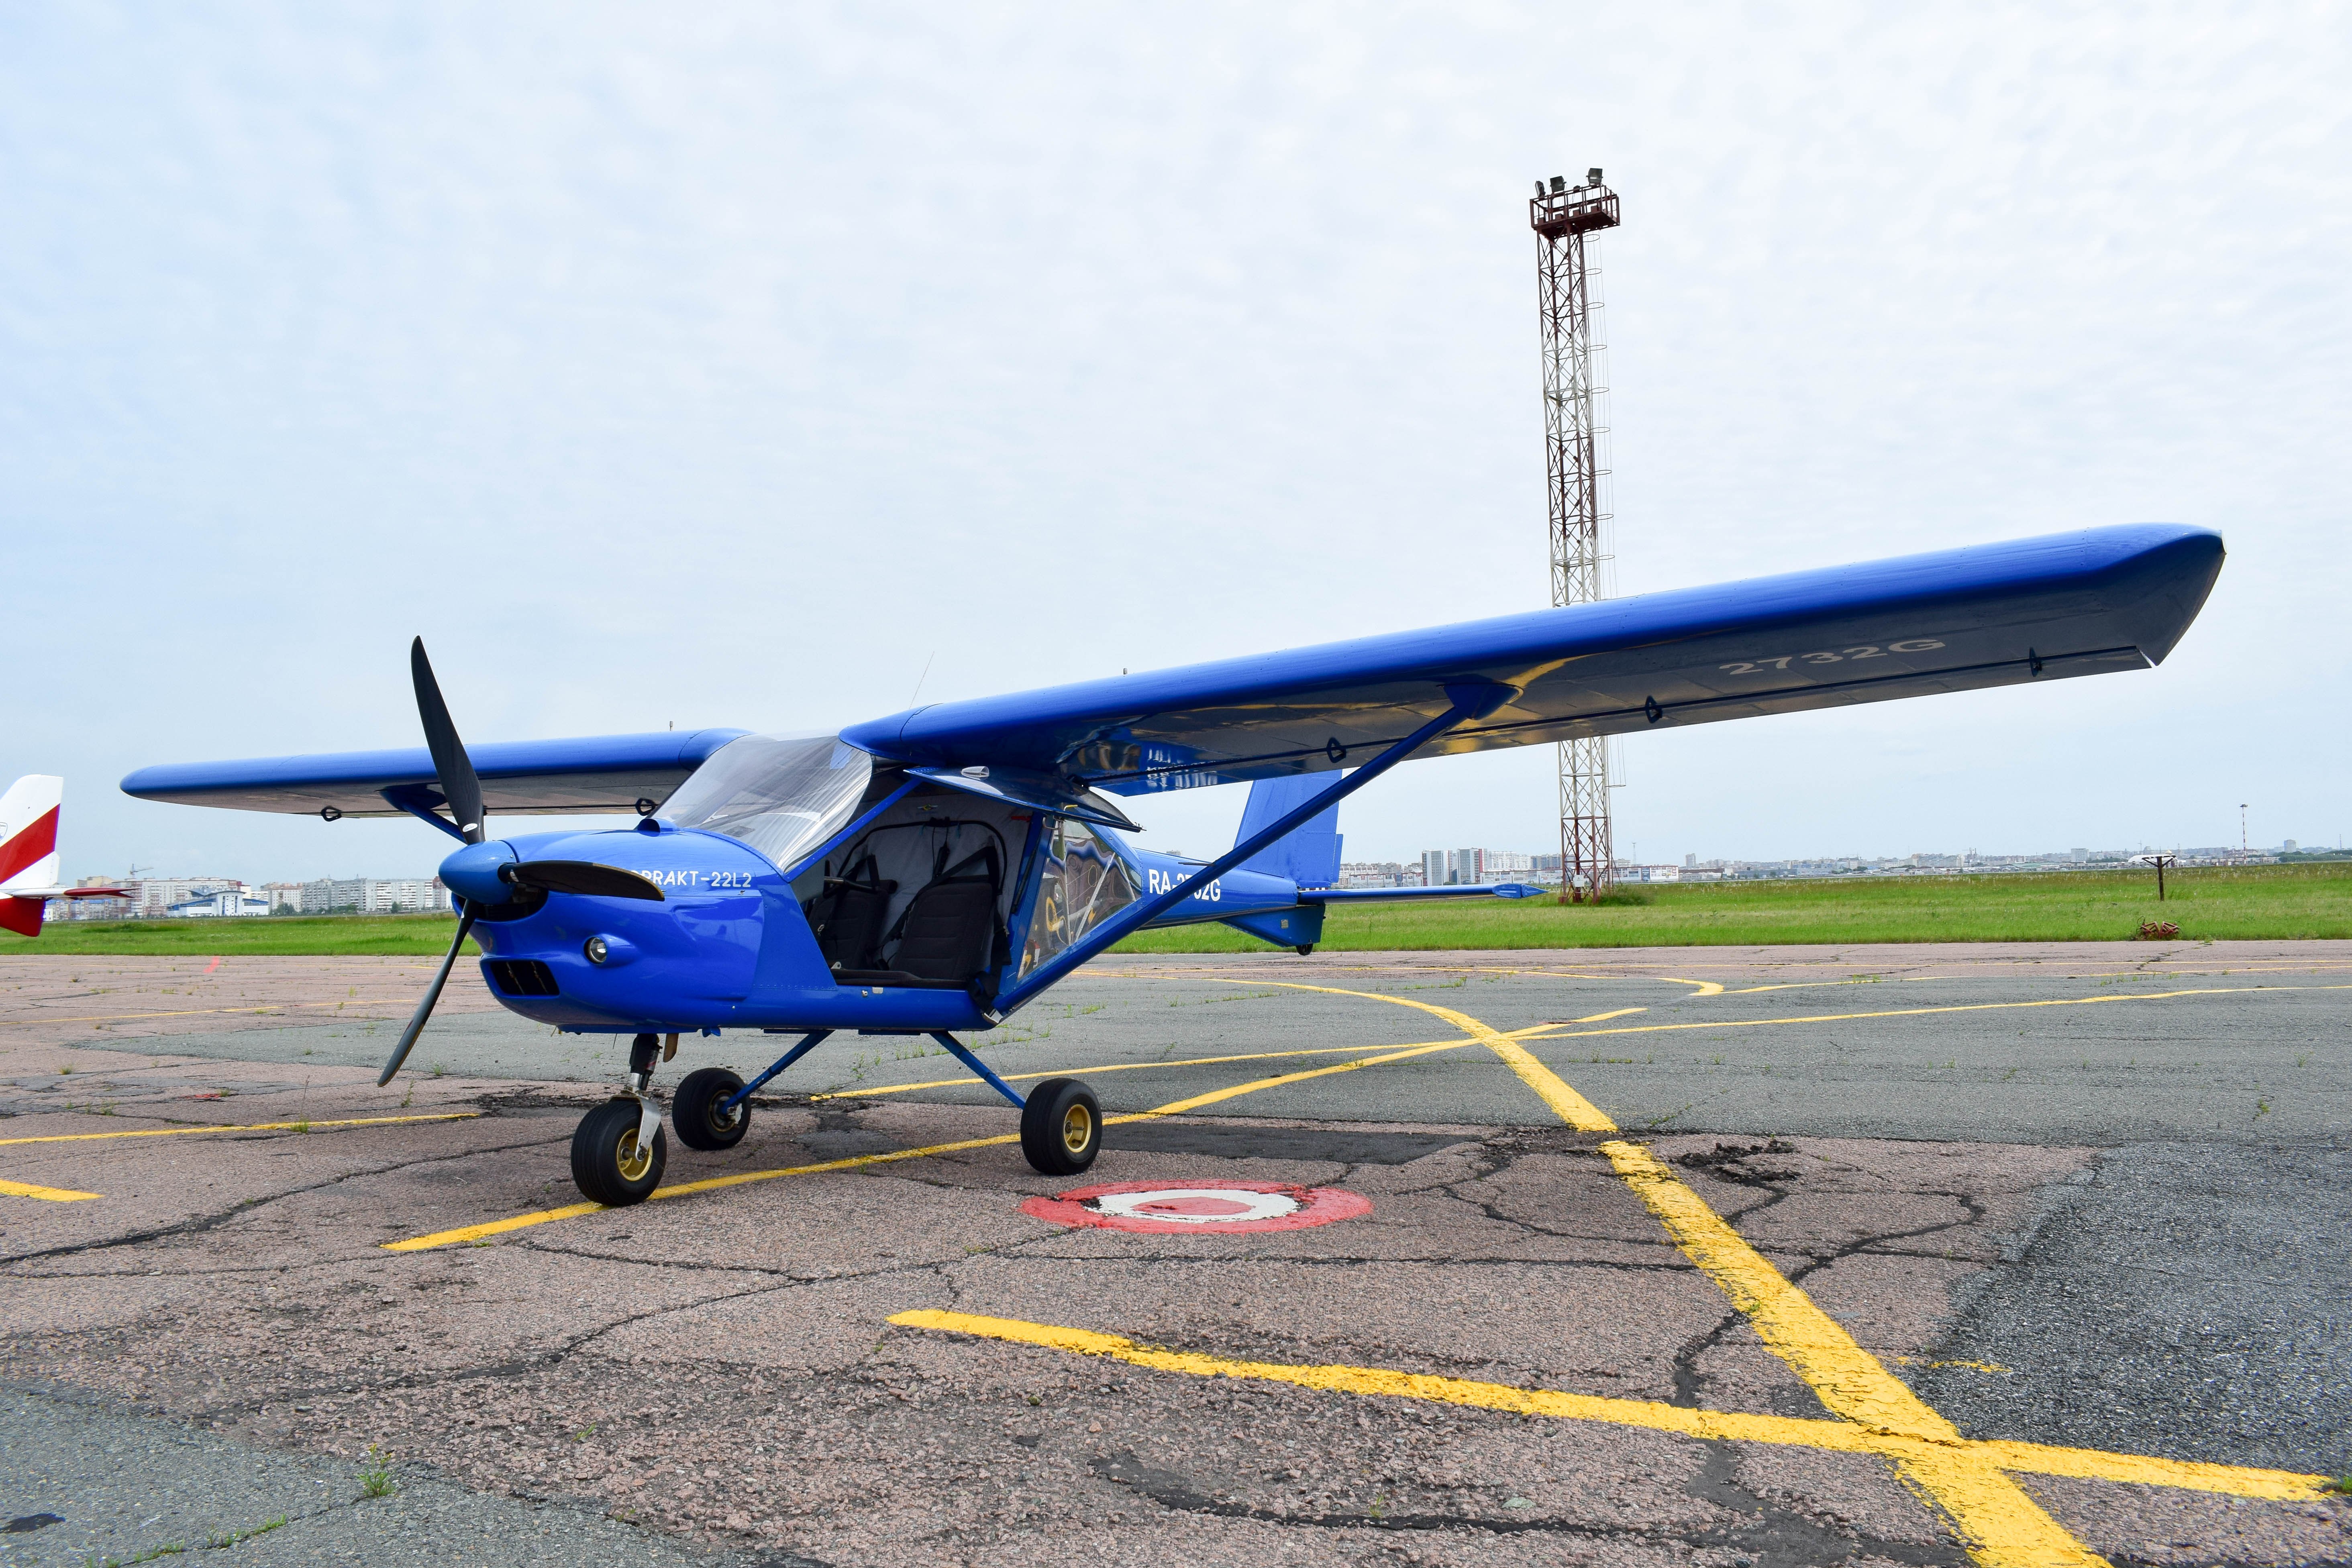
{"x": 634, "y": 1160}
{"x": 1078, "y": 1129}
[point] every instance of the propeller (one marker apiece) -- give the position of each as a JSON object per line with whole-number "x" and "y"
{"x": 462, "y": 788}
{"x": 424, "y": 1008}
{"x": 459, "y": 786}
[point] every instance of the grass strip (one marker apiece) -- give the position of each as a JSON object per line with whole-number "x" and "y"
{"x": 2209, "y": 903}
{"x": 2270, "y": 903}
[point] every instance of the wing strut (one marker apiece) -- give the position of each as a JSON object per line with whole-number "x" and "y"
{"x": 1466, "y": 702}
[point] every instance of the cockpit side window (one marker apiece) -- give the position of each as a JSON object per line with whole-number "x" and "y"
{"x": 1084, "y": 883}
{"x": 782, "y": 795}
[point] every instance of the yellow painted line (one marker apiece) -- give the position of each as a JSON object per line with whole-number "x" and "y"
{"x": 489, "y": 1228}
{"x": 1997, "y": 1521}
{"x": 967, "y": 1080}
{"x": 1176, "y": 1106}
{"x": 1571, "y": 1107}
{"x": 1910, "y": 1012}
{"x": 265, "y": 1008}
{"x": 855, "y": 1161}
{"x": 1703, "y": 987}
{"x": 1788, "y": 1431}
{"x": 54, "y": 1195}
{"x": 252, "y": 1127}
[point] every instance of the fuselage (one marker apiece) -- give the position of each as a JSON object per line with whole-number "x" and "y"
{"x": 729, "y": 946}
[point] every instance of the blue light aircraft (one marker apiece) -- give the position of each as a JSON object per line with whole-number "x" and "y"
{"x": 937, "y": 870}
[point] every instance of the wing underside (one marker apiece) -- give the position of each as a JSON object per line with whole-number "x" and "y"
{"x": 2042, "y": 609}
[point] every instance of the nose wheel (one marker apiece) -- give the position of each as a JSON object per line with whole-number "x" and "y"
{"x": 612, "y": 1163}
{"x": 1061, "y": 1127}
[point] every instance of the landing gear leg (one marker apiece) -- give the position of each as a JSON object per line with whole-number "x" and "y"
{"x": 618, "y": 1150}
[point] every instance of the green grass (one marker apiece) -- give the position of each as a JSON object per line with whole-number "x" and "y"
{"x": 2248, "y": 901}
{"x": 2261, "y": 901}
{"x": 270, "y": 936}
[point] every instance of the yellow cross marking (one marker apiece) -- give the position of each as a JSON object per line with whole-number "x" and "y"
{"x": 2001, "y": 1525}
{"x": 1843, "y": 1436}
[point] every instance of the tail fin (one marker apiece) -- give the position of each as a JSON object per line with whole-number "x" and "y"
{"x": 1309, "y": 853}
{"x": 28, "y": 851}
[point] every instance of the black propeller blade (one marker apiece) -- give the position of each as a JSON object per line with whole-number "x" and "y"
{"x": 463, "y": 790}
{"x": 459, "y": 786}
{"x": 579, "y": 877}
{"x": 424, "y": 1008}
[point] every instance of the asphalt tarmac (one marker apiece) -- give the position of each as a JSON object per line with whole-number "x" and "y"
{"x": 2073, "y": 1201}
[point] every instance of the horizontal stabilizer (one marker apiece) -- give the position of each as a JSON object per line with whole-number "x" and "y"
{"x": 1402, "y": 895}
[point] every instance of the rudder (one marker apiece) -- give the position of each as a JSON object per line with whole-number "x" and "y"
{"x": 1309, "y": 853}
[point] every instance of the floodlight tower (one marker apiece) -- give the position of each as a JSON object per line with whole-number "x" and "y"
{"x": 1561, "y": 215}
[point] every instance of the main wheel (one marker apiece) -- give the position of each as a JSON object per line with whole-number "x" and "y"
{"x": 608, "y": 1163}
{"x": 693, "y": 1111}
{"x": 1061, "y": 1127}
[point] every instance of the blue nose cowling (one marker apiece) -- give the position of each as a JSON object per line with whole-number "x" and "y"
{"x": 472, "y": 873}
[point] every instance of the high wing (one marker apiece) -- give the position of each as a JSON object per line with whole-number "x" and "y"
{"x": 2035, "y": 609}
{"x": 526, "y": 778}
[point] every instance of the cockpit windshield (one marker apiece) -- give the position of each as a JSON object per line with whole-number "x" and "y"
{"x": 782, "y": 795}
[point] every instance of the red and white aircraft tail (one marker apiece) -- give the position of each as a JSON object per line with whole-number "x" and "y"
{"x": 28, "y": 854}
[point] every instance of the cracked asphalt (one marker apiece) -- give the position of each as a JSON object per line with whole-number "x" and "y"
{"x": 2089, "y": 1197}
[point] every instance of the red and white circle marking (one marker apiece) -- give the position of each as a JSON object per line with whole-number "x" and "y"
{"x": 1217, "y": 1208}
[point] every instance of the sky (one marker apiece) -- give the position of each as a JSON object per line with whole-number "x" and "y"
{"x": 775, "y": 366}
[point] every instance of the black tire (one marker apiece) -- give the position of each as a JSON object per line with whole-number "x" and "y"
{"x": 606, "y": 1165}
{"x": 693, "y": 1111}
{"x": 1061, "y": 1127}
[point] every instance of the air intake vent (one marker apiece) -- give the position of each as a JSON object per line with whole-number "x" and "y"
{"x": 522, "y": 977}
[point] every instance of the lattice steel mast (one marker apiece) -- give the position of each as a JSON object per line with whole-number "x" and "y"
{"x": 1562, "y": 216}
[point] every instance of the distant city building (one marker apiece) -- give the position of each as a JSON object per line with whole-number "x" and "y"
{"x": 151, "y": 898}
{"x": 1379, "y": 874}
{"x": 229, "y": 901}
{"x": 372, "y": 896}
{"x": 1434, "y": 869}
